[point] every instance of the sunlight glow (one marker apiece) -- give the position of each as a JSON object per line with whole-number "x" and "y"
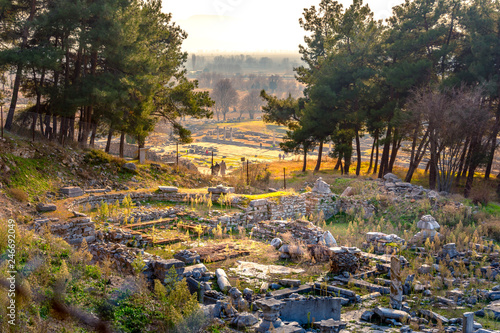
{"x": 249, "y": 26}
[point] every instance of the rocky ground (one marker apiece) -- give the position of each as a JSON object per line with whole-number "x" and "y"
{"x": 379, "y": 255}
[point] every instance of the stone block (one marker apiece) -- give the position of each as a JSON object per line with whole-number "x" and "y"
{"x": 72, "y": 191}
{"x": 285, "y": 293}
{"x": 311, "y": 309}
{"x": 397, "y": 315}
{"x": 168, "y": 189}
{"x": 219, "y": 189}
{"x": 41, "y": 207}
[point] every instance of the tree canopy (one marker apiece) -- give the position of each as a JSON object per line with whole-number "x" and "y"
{"x": 113, "y": 64}
{"x": 364, "y": 76}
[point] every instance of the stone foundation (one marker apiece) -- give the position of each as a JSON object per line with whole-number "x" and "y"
{"x": 72, "y": 231}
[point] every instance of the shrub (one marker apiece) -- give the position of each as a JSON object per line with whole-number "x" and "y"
{"x": 96, "y": 157}
{"x": 92, "y": 271}
{"x": 492, "y": 228}
{"x": 481, "y": 194}
{"x": 17, "y": 194}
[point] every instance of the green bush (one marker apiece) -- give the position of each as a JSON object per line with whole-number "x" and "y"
{"x": 131, "y": 317}
{"x": 93, "y": 272}
{"x": 96, "y": 157}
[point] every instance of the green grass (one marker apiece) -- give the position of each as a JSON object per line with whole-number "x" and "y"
{"x": 35, "y": 176}
{"x": 267, "y": 195}
{"x": 492, "y": 208}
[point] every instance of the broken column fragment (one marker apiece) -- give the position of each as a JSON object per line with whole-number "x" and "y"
{"x": 222, "y": 280}
{"x": 270, "y": 314}
{"x": 396, "y": 284}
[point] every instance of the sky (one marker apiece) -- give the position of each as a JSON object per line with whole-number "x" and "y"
{"x": 217, "y": 26}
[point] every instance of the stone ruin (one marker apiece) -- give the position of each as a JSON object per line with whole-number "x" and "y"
{"x": 428, "y": 226}
{"x": 381, "y": 243}
{"x": 280, "y": 306}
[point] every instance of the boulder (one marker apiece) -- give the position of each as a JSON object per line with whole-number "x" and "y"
{"x": 492, "y": 310}
{"x": 244, "y": 319}
{"x": 234, "y": 293}
{"x": 425, "y": 269}
{"x": 327, "y": 239}
{"x": 348, "y": 192}
{"x": 41, "y": 207}
{"x": 187, "y": 256}
{"x": 449, "y": 250}
{"x": 321, "y": 187}
{"x": 390, "y": 177}
{"x": 129, "y": 166}
{"x": 276, "y": 242}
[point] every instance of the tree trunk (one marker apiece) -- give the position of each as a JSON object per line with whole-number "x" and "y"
{"x": 467, "y": 160}
{"x": 53, "y": 135}
{"x": 33, "y": 126}
{"x": 92, "y": 137}
{"x": 13, "y": 101}
{"x": 320, "y": 153}
{"x": 347, "y": 158}
{"x": 71, "y": 128}
{"x": 371, "y": 156}
{"x": 417, "y": 153}
{"x": 434, "y": 158}
{"x": 376, "y": 158}
{"x": 470, "y": 179}
{"x": 496, "y": 130}
{"x": 491, "y": 156}
{"x": 19, "y": 71}
{"x": 462, "y": 159}
{"x": 337, "y": 165}
{"x": 384, "y": 162}
{"x": 416, "y": 160}
{"x": 358, "y": 152}
{"x": 108, "y": 142}
{"x": 62, "y": 129}
{"x": 122, "y": 144}
{"x": 396, "y": 144}
{"x": 304, "y": 164}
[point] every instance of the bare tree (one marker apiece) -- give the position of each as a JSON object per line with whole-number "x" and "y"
{"x": 224, "y": 96}
{"x": 251, "y": 103}
{"x": 448, "y": 121}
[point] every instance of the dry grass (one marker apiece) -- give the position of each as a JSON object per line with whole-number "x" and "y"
{"x": 17, "y": 194}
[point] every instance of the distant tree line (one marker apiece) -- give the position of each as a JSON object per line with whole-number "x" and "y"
{"x": 225, "y": 91}
{"x": 234, "y": 64}
{"x": 110, "y": 64}
{"x": 429, "y": 75}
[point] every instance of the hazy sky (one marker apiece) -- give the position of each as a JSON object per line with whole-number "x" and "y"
{"x": 249, "y": 25}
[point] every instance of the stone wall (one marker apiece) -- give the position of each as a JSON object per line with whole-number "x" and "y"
{"x": 300, "y": 229}
{"x": 316, "y": 202}
{"x": 288, "y": 207}
{"x": 95, "y": 200}
{"x": 122, "y": 257}
{"x": 275, "y": 208}
{"x": 72, "y": 231}
{"x": 311, "y": 309}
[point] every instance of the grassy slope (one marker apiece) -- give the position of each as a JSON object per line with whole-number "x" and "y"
{"x": 50, "y": 167}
